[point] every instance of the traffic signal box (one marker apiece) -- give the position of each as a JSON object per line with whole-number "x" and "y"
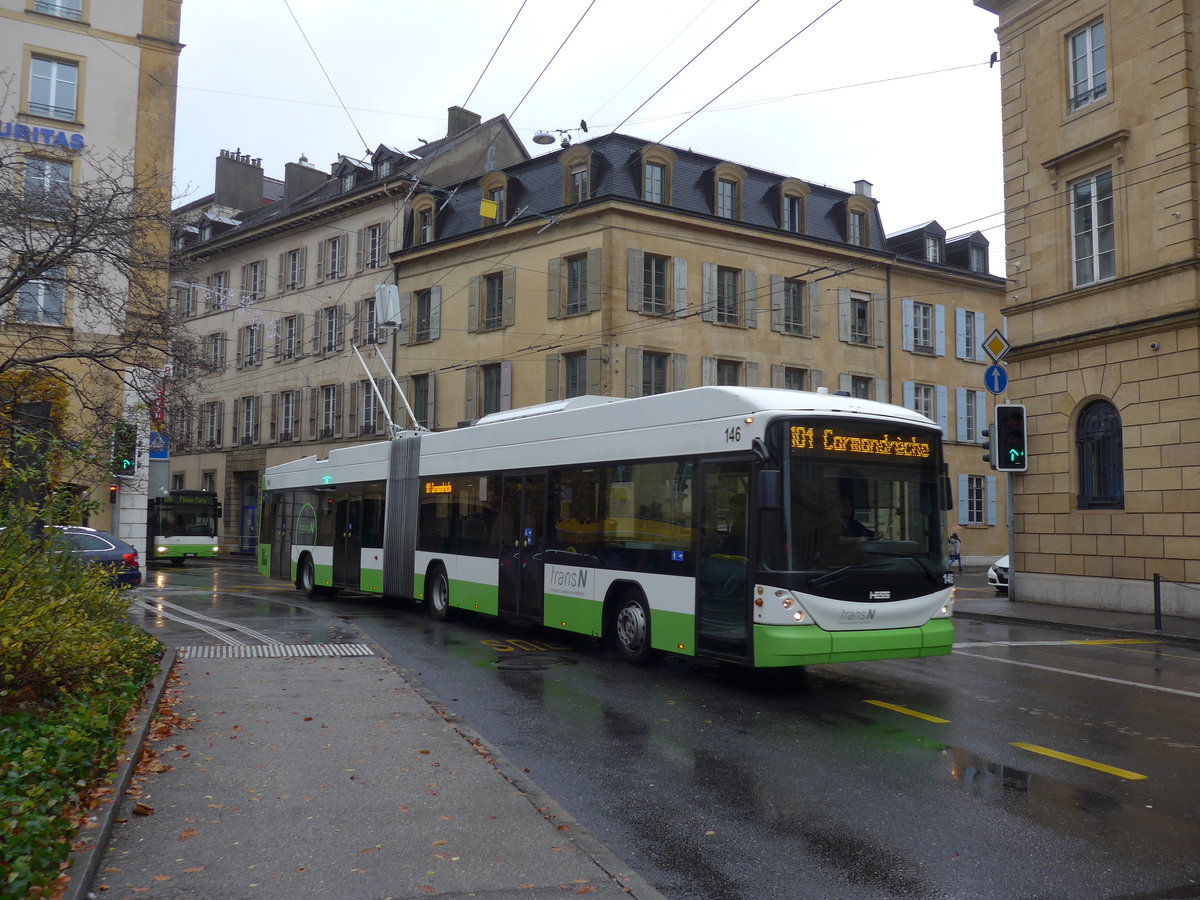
{"x": 124, "y": 458}
{"x": 1011, "y": 449}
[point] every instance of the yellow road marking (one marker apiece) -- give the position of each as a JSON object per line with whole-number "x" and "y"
{"x": 908, "y": 712}
{"x": 1080, "y": 761}
{"x": 1113, "y": 641}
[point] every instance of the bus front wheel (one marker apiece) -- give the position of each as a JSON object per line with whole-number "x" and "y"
{"x": 306, "y": 577}
{"x": 437, "y": 594}
{"x": 632, "y": 629}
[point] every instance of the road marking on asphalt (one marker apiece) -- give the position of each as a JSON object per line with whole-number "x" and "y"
{"x": 908, "y": 712}
{"x": 244, "y": 629}
{"x": 1079, "y": 761}
{"x": 1121, "y": 681}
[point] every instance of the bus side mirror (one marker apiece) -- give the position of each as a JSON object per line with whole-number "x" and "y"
{"x": 770, "y": 489}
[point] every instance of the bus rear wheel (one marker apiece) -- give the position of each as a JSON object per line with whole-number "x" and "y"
{"x": 631, "y": 628}
{"x": 437, "y": 594}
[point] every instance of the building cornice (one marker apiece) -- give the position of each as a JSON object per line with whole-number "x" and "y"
{"x": 1101, "y": 337}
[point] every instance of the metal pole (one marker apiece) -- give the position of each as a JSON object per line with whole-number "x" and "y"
{"x": 1157, "y": 602}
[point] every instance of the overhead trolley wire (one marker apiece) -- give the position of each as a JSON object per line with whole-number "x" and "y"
{"x": 494, "y": 52}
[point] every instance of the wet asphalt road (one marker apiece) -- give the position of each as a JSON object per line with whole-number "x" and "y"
{"x": 1027, "y": 764}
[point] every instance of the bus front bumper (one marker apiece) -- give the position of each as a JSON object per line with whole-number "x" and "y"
{"x": 806, "y": 645}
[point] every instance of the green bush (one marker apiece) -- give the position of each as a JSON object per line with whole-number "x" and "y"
{"x": 72, "y": 664}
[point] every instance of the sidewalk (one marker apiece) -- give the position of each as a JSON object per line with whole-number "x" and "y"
{"x": 334, "y": 777}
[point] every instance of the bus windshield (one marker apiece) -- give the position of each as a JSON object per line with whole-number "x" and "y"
{"x": 857, "y": 496}
{"x": 177, "y": 520}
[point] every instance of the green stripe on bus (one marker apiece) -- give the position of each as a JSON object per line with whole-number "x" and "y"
{"x": 472, "y": 595}
{"x": 371, "y": 581}
{"x": 787, "y": 645}
{"x": 673, "y": 631}
{"x": 576, "y": 614}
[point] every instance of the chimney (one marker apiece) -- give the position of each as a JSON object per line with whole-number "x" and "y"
{"x": 459, "y": 120}
{"x": 239, "y": 181}
{"x": 863, "y": 187}
{"x": 299, "y": 178}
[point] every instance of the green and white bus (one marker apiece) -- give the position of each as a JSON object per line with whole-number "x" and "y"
{"x": 184, "y": 525}
{"x": 757, "y": 526}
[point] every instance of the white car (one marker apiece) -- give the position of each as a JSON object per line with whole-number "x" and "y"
{"x": 998, "y": 575}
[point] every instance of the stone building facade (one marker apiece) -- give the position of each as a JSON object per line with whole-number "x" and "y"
{"x": 1102, "y": 263}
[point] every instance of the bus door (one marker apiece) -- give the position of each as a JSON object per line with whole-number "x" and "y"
{"x": 278, "y": 510}
{"x": 723, "y": 607}
{"x": 347, "y": 540}
{"x": 522, "y": 542}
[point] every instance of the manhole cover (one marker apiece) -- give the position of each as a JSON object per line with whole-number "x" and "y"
{"x": 532, "y": 661}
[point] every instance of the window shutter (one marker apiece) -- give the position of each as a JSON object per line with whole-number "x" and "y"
{"x": 313, "y": 407}
{"x": 595, "y": 283}
{"x": 964, "y": 500}
{"x": 339, "y": 324}
{"x": 278, "y": 338}
{"x": 814, "y": 309}
{"x": 505, "y": 385}
{"x": 406, "y": 323}
{"x": 352, "y": 416}
{"x": 991, "y": 499}
{"x": 681, "y": 286}
{"x": 960, "y": 414}
{"x": 910, "y": 395}
{"x": 552, "y": 364}
{"x": 708, "y": 309}
{"x": 976, "y": 352}
{"x": 273, "y": 421}
{"x": 777, "y": 376}
{"x": 960, "y": 334}
{"x": 845, "y": 383}
{"x": 776, "y": 304}
{"x": 317, "y": 328}
{"x": 384, "y": 242}
{"x": 337, "y": 410}
{"x": 816, "y": 378}
{"x": 241, "y": 346}
{"x": 595, "y": 371}
{"x": 750, "y": 300}
{"x": 302, "y": 267}
{"x": 220, "y": 421}
{"x": 679, "y": 379}
{"x": 553, "y": 288}
{"x": 942, "y": 410}
{"x": 981, "y": 413}
{"x": 907, "y": 321}
{"x": 509, "y": 303}
{"x": 751, "y": 369}
{"x": 431, "y": 405}
{"x": 322, "y": 263}
{"x": 471, "y": 404}
{"x": 939, "y": 320}
{"x": 843, "y": 295}
{"x": 879, "y": 308}
{"x": 256, "y": 419}
{"x": 435, "y": 312}
{"x": 359, "y": 250}
{"x": 881, "y": 390}
{"x": 356, "y": 321}
{"x": 633, "y": 372}
{"x": 634, "y": 275}
{"x": 708, "y": 370}
{"x": 280, "y": 278}
{"x": 473, "y": 292}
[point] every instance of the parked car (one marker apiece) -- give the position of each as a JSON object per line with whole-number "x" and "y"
{"x": 99, "y": 548}
{"x": 998, "y": 575}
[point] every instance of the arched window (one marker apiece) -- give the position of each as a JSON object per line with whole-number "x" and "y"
{"x": 1101, "y": 457}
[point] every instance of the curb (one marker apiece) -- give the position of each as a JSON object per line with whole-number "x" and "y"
{"x": 85, "y": 860}
{"x": 1184, "y": 640}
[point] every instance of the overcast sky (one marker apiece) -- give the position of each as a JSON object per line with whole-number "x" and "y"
{"x": 898, "y": 93}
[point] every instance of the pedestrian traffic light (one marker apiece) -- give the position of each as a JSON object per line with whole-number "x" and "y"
{"x": 1011, "y": 453}
{"x": 124, "y": 458}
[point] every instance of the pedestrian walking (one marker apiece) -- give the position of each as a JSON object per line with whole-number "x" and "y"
{"x": 955, "y": 551}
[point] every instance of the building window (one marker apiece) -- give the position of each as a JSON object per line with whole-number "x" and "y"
{"x": 922, "y": 328}
{"x": 493, "y": 301}
{"x": 793, "y": 213}
{"x": 654, "y": 374}
{"x": 383, "y": 168}
{"x": 421, "y": 399}
{"x": 424, "y": 318}
{"x": 861, "y": 386}
{"x": 726, "y": 199}
{"x": 64, "y": 9}
{"x": 369, "y": 323}
{"x": 654, "y": 177}
{"x": 491, "y": 376}
{"x": 288, "y": 416}
{"x": 290, "y": 337}
{"x": 976, "y": 499}
{"x": 793, "y": 379}
{"x": 294, "y": 263}
{"x": 47, "y": 188}
{"x": 254, "y": 280}
{"x": 970, "y": 338}
{"x": 654, "y": 284}
{"x": 577, "y": 285}
{"x": 249, "y": 420}
{"x": 177, "y": 482}
{"x": 978, "y": 258}
{"x": 933, "y": 249}
{"x": 376, "y": 248}
{"x": 212, "y": 421}
{"x": 370, "y": 408}
{"x": 577, "y": 184}
{"x": 860, "y": 320}
{"x": 496, "y": 196}
{"x": 186, "y": 301}
{"x": 923, "y": 400}
{"x": 348, "y": 182}
{"x": 857, "y": 229}
{"x": 729, "y": 372}
{"x": 728, "y": 296}
{"x": 43, "y": 301}
{"x": 250, "y": 340}
{"x": 333, "y": 258}
{"x": 1101, "y": 457}
{"x": 1089, "y": 76}
{"x": 216, "y": 352}
{"x": 425, "y": 225}
{"x": 215, "y": 297}
{"x": 970, "y": 416}
{"x": 794, "y": 293}
{"x": 331, "y": 329}
{"x": 575, "y": 369}
{"x": 53, "y": 88}
{"x": 1094, "y": 236}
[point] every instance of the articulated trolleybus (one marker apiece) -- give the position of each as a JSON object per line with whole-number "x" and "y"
{"x": 183, "y": 525}
{"x": 757, "y": 526}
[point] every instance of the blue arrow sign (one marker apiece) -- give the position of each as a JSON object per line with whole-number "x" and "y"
{"x": 995, "y": 379}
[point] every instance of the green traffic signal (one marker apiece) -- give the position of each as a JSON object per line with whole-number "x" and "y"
{"x": 1011, "y": 438}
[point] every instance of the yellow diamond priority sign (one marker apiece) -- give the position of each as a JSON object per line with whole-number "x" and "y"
{"x": 996, "y": 345}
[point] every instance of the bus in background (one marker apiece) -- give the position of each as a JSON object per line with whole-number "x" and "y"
{"x": 182, "y": 525}
{"x": 756, "y": 526}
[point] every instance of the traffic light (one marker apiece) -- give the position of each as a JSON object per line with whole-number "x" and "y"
{"x": 124, "y": 458}
{"x": 1011, "y": 453}
{"x": 989, "y": 433}
{"x": 112, "y": 493}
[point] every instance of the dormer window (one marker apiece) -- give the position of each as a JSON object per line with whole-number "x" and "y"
{"x": 577, "y": 175}
{"x": 857, "y": 231}
{"x": 347, "y": 182}
{"x": 727, "y": 190}
{"x": 493, "y": 208}
{"x": 383, "y": 168}
{"x": 978, "y": 258}
{"x": 933, "y": 249}
{"x": 657, "y": 165}
{"x": 793, "y": 200}
{"x": 424, "y": 220}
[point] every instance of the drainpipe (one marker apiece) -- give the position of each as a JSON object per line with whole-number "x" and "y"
{"x": 889, "y": 334}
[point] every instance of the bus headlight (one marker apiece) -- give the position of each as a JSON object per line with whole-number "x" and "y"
{"x": 160, "y": 549}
